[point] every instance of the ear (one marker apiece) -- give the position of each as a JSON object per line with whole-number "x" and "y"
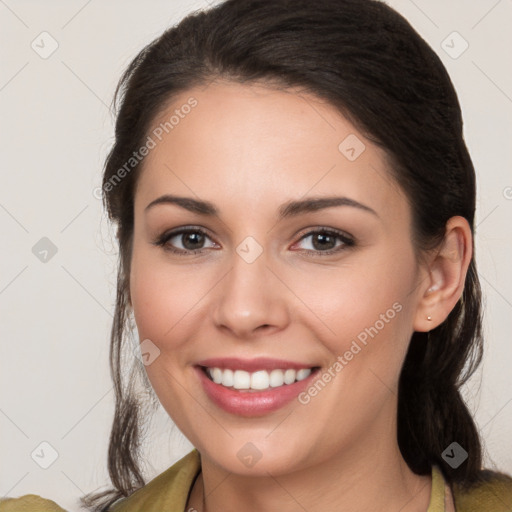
{"x": 447, "y": 269}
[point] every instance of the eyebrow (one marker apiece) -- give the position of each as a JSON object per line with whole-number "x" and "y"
{"x": 289, "y": 209}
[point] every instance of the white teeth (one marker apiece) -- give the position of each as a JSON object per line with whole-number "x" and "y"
{"x": 276, "y": 378}
{"x": 227, "y": 378}
{"x": 259, "y": 380}
{"x": 241, "y": 379}
{"x": 217, "y": 375}
{"x": 302, "y": 374}
{"x": 289, "y": 376}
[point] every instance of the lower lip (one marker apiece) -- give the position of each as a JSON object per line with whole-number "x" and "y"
{"x": 249, "y": 402}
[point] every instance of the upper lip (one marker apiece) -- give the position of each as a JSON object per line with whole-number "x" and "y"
{"x": 252, "y": 365}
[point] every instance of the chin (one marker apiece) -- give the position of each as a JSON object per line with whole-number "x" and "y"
{"x": 254, "y": 458}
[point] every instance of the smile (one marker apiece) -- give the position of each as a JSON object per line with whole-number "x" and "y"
{"x": 253, "y": 387}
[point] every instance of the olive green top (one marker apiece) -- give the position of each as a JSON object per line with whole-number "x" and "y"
{"x": 169, "y": 492}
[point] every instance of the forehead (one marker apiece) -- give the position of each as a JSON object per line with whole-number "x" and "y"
{"x": 260, "y": 145}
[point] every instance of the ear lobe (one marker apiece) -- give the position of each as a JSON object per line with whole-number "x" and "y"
{"x": 447, "y": 271}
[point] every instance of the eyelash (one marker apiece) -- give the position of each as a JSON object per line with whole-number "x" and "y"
{"x": 347, "y": 241}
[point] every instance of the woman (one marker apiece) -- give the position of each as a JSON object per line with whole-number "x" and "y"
{"x": 295, "y": 210}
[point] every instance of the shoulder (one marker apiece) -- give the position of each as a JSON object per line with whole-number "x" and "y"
{"x": 168, "y": 491}
{"x": 29, "y": 503}
{"x": 493, "y": 493}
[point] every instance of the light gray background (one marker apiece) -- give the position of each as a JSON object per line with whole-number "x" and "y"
{"x": 55, "y": 316}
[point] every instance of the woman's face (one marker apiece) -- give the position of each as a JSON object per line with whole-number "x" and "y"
{"x": 331, "y": 288}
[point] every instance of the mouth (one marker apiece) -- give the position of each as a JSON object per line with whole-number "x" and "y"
{"x": 253, "y": 387}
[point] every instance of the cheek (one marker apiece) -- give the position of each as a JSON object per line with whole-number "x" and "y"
{"x": 364, "y": 314}
{"x": 163, "y": 302}
{"x": 350, "y": 299}
{"x": 367, "y": 318}
{"x": 163, "y": 297}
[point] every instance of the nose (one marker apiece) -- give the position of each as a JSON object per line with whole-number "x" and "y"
{"x": 251, "y": 300}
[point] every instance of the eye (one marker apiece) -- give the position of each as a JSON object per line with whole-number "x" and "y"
{"x": 327, "y": 241}
{"x": 323, "y": 241}
{"x": 191, "y": 239}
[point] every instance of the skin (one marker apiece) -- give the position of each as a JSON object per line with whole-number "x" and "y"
{"x": 248, "y": 149}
